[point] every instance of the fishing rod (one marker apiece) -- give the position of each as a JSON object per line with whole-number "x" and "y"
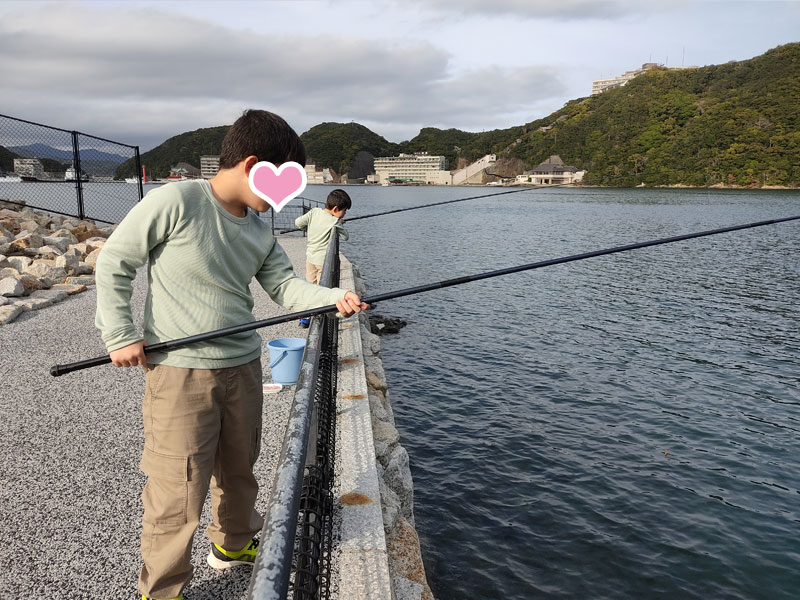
{"x": 399, "y": 210}
{"x": 57, "y": 370}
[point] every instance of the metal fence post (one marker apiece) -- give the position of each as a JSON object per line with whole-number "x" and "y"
{"x": 139, "y": 174}
{"x": 76, "y": 163}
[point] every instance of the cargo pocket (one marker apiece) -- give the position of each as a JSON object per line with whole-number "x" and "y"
{"x": 165, "y": 494}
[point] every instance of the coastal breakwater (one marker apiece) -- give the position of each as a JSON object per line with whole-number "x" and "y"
{"x": 378, "y": 550}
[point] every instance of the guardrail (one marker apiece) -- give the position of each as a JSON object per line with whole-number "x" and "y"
{"x": 298, "y": 524}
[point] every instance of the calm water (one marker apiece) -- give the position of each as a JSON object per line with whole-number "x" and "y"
{"x": 620, "y": 427}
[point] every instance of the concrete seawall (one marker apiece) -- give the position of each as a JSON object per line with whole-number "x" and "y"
{"x": 378, "y": 550}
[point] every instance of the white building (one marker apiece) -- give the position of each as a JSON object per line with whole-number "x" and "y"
{"x": 553, "y": 171}
{"x": 419, "y": 167}
{"x": 601, "y": 85}
{"x": 29, "y": 167}
{"x": 312, "y": 175}
{"x": 209, "y": 165}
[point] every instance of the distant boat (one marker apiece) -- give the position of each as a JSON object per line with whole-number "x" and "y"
{"x": 71, "y": 174}
{"x": 10, "y": 179}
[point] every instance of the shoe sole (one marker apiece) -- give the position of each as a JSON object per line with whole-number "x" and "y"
{"x": 218, "y": 564}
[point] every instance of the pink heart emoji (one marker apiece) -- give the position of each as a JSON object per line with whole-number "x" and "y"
{"x": 277, "y": 185}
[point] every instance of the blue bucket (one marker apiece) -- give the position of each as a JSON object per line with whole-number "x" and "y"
{"x": 285, "y": 357}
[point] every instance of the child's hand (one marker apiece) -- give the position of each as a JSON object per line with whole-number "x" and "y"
{"x": 351, "y": 304}
{"x": 129, "y": 356}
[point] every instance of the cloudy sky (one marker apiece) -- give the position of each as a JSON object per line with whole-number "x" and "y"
{"x": 142, "y": 71}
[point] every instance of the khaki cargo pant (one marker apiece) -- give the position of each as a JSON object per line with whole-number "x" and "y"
{"x": 201, "y": 426}
{"x": 313, "y": 272}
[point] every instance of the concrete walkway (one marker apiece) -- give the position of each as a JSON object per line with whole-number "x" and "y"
{"x": 70, "y": 447}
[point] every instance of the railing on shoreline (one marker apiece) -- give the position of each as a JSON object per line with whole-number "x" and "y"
{"x": 65, "y": 172}
{"x": 295, "y": 546}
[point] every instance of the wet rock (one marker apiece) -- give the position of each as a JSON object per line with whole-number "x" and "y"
{"x": 381, "y": 325}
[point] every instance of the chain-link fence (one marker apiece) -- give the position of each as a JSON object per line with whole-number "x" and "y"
{"x": 284, "y": 219}
{"x": 65, "y": 172}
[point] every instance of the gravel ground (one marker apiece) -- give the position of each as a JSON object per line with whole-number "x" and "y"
{"x": 70, "y": 484}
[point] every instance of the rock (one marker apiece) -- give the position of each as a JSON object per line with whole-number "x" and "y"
{"x": 80, "y": 280}
{"x": 370, "y": 341}
{"x": 405, "y": 558}
{"x": 31, "y": 283}
{"x": 58, "y": 296}
{"x": 69, "y": 262}
{"x": 4, "y": 233}
{"x": 398, "y": 477}
{"x": 66, "y": 233}
{"x": 31, "y": 226}
{"x": 5, "y": 247}
{"x": 405, "y": 589}
{"x": 84, "y": 269}
{"x": 33, "y": 303}
{"x": 4, "y": 300}
{"x": 82, "y": 247}
{"x": 384, "y": 432}
{"x": 42, "y": 269}
{"x": 48, "y": 251}
{"x": 11, "y": 286}
{"x": 57, "y": 242}
{"x": 20, "y": 263}
{"x": 70, "y": 288}
{"x": 91, "y": 258}
{"x": 381, "y": 325}
{"x": 376, "y": 378}
{"x": 390, "y": 504}
{"x": 8, "y": 272}
{"x": 9, "y": 312}
{"x": 27, "y": 240}
{"x": 97, "y": 242}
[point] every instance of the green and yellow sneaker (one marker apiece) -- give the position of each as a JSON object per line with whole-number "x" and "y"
{"x": 178, "y": 598}
{"x": 219, "y": 558}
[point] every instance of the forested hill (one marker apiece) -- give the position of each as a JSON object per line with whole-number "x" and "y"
{"x": 731, "y": 124}
{"x": 185, "y": 147}
{"x": 335, "y": 145}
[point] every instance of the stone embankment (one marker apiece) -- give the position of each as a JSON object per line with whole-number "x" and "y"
{"x": 44, "y": 258}
{"x": 406, "y": 570}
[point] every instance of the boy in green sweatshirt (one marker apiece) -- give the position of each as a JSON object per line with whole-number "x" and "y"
{"x": 320, "y": 223}
{"x": 203, "y": 403}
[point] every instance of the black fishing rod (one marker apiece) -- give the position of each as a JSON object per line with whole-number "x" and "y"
{"x": 57, "y": 370}
{"x": 399, "y": 210}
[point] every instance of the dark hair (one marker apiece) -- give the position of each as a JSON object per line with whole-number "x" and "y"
{"x": 264, "y": 135}
{"x": 338, "y": 199}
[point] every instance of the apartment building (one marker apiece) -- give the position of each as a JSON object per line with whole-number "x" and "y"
{"x": 209, "y": 165}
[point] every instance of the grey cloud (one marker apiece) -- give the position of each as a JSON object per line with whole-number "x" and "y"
{"x": 537, "y": 9}
{"x": 139, "y": 76}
